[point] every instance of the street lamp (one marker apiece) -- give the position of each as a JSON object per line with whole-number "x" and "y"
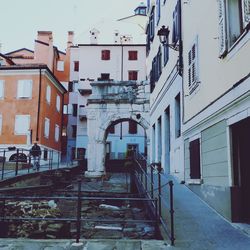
{"x": 163, "y": 34}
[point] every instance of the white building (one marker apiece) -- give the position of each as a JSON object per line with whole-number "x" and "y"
{"x": 216, "y": 50}
{"x": 164, "y": 72}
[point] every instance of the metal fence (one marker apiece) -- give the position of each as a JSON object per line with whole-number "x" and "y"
{"x": 78, "y": 219}
{"x": 19, "y": 161}
{"x": 154, "y": 184}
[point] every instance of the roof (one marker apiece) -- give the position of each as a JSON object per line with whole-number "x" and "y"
{"x": 7, "y": 59}
{"x": 34, "y": 66}
{"x": 109, "y": 44}
{"x": 14, "y": 51}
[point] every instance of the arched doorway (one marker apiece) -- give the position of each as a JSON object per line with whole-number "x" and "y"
{"x": 123, "y": 136}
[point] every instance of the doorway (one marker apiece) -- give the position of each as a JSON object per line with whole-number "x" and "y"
{"x": 241, "y": 170}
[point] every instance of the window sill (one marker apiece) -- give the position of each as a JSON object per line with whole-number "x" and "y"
{"x": 194, "y": 181}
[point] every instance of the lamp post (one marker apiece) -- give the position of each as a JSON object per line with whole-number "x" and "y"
{"x": 163, "y": 34}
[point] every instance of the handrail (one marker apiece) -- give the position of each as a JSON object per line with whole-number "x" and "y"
{"x": 146, "y": 178}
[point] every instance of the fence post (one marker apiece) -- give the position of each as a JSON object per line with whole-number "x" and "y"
{"x": 152, "y": 182}
{"x": 3, "y": 164}
{"x": 159, "y": 188}
{"x": 172, "y": 212}
{"x": 79, "y": 205}
{"x": 17, "y": 158}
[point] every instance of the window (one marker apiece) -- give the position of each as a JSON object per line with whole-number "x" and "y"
{"x": 195, "y": 168}
{"x": 70, "y": 86}
{"x": 177, "y": 116}
{"x": 159, "y": 63}
{"x": 48, "y": 94}
{"x": 176, "y": 24}
{"x": 234, "y": 19}
{"x": 65, "y": 109}
{"x": 132, "y": 55}
{"x": 24, "y": 89}
{"x": 46, "y": 127}
{"x": 132, "y": 129}
{"x": 60, "y": 66}
{"x": 105, "y": 54}
{"x": 22, "y": 124}
{"x": 73, "y": 131}
{"x": 74, "y": 106}
{"x": 152, "y": 24}
{"x": 1, "y": 122}
{"x": 111, "y": 129}
{"x": 105, "y": 76}
{"x": 1, "y": 89}
{"x": 58, "y": 103}
{"x": 193, "y": 67}
{"x": 166, "y": 52}
{"x": 132, "y": 75}
{"x": 76, "y": 66}
{"x": 57, "y": 132}
{"x": 158, "y": 3}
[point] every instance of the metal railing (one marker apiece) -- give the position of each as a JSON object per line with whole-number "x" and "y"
{"x": 153, "y": 183}
{"x": 19, "y": 161}
{"x": 78, "y": 218}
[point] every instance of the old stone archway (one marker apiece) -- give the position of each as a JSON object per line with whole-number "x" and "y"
{"x": 112, "y": 101}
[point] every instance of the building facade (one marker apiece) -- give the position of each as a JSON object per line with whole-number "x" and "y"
{"x": 118, "y": 61}
{"x": 164, "y": 70}
{"x": 216, "y": 86}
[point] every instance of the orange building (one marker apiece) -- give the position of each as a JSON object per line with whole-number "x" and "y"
{"x": 31, "y": 103}
{"x": 52, "y": 65}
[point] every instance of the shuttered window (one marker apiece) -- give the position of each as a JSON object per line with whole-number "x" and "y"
{"x": 193, "y": 67}
{"x": 57, "y": 132}
{"x": 76, "y": 66}
{"x": 24, "y": 89}
{"x": 46, "y": 127}
{"x": 176, "y": 24}
{"x": 152, "y": 24}
{"x": 48, "y": 94}
{"x": 58, "y": 103}
{"x": 132, "y": 75}
{"x": 132, "y": 55}
{"x": 222, "y": 28}
{"x": 1, "y": 122}
{"x": 158, "y": 3}
{"x": 132, "y": 127}
{"x": 195, "y": 168}
{"x": 1, "y": 89}
{"x": 22, "y": 124}
{"x": 246, "y": 12}
{"x": 105, "y": 54}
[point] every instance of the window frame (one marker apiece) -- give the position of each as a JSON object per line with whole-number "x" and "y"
{"x": 16, "y": 132}
{"x": 76, "y": 66}
{"x": 132, "y": 55}
{"x": 21, "y": 89}
{"x": 192, "y": 153}
{"x": 2, "y": 89}
{"x": 105, "y": 54}
{"x": 131, "y": 73}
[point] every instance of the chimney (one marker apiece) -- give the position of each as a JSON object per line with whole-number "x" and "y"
{"x": 116, "y": 37}
{"x": 70, "y": 38}
{"x": 94, "y": 36}
{"x": 45, "y": 36}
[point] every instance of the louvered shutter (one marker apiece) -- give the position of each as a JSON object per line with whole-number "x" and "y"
{"x": 246, "y": 12}
{"x": 222, "y": 28}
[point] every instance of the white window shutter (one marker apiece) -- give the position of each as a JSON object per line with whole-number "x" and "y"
{"x": 46, "y": 127}
{"x": 24, "y": 88}
{"x": 222, "y": 28}
{"x": 1, "y": 89}
{"x": 58, "y": 103}
{"x": 48, "y": 93}
{"x": 246, "y": 12}
{"x": 22, "y": 124}
{"x": 57, "y": 133}
{"x": 1, "y": 122}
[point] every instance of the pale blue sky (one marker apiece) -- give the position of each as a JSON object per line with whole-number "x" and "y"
{"x": 21, "y": 19}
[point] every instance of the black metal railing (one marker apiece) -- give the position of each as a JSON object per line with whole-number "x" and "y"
{"x": 78, "y": 219}
{"x": 154, "y": 184}
{"x": 18, "y": 161}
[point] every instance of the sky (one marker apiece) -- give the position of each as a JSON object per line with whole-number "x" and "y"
{"x": 21, "y": 19}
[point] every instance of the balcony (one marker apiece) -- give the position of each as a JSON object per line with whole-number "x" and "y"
{"x": 82, "y": 113}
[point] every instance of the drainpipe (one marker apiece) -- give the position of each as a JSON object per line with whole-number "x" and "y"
{"x": 38, "y": 106}
{"x": 122, "y": 65}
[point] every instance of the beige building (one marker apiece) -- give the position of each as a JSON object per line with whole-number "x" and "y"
{"x": 216, "y": 83}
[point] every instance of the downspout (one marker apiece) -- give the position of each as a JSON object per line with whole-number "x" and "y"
{"x": 38, "y": 106}
{"x": 62, "y": 105}
{"x": 122, "y": 65}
